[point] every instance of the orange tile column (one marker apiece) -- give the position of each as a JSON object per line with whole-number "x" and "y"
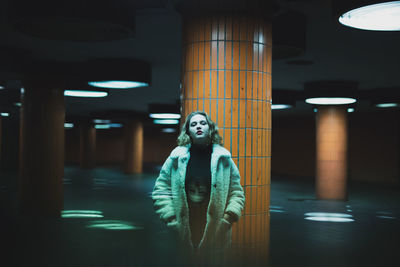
{"x": 331, "y": 166}
{"x": 87, "y": 145}
{"x": 227, "y": 73}
{"x": 42, "y": 148}
{"x": 133, "y": 132}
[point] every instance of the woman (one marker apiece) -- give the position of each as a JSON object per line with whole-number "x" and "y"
{"x": 198, "y": 191}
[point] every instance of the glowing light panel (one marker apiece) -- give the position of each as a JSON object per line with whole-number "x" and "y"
{"x": 113, "y": 225}
{"x": 328, "y": 217}
{"x": 165, "y": 116}
{"x": 350, "y": 110}
{"x": 117, "y": 84}
{"x": 166, "y": 121}
{"x": 82, "y": 93}
{"x": 81, "y": 214}
{"x": 386, "y": 105}
{"x": 377, "y": 17}
{"x": 280, "y": 106}
{"x": 101, "y": 121}
{"x": 168, "y": 130}
{"x": 4, "y": 114}
{"x": 115, "y": 125}
{"x": 102, "y": 126}
{"x": 68, "y": 125}
{"x": 330, "y": 100}
{"x": 1, "y": 87}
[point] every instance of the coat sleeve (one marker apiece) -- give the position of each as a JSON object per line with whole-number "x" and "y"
{"x": 162, "y": 194}
{"x": 235, "y": 201}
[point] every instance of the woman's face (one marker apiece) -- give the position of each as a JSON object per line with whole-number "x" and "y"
{"x": 199, "y": 129}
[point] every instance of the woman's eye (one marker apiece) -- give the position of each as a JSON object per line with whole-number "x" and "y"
{"x": 203, "y": 123}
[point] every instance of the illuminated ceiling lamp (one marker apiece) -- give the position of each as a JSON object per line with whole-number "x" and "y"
{"x": 385, "y": 98}
{"x": 118, "y": 73}
{"x": 330, "y": 92}
{"x": 86, "y": 92}
{"x": 370, "y": 15}
{"x": 164, "y": 114}
{"x": 284, "y": 98}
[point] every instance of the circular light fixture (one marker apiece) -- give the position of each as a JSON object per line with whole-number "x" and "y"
{"x": 85, "y": 93}
{"x": 330, "y": 100}
{"x": 102, "y": 126}
{"x": 4, "y": 114}
{"x": 328, "y": 217}
{"x": 387, "y": 105}
{"x": 1, "y": 87}
{"x": 166, "y": 121}
{"x": 377, "y": 17}
{"x": 117, "y": 84}
{"x": 81, "y": 214}
{"x": 115, "y": 125}
{"x": 280, "y": 106}
{"x": 68, "y": 125}
{"x": 17, "y": 104}
{"x": 101, "y": 121}
{"x": 168, "y": 130}
{"x": 350, "y": 110}
{"x": 165, "y": 116}
{"x": 113, "y": 225}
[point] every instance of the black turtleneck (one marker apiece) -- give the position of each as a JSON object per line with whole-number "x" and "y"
{"x": 198, "y": 172}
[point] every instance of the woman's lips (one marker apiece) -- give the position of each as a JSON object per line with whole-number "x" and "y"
{"x": 199, "y": 132}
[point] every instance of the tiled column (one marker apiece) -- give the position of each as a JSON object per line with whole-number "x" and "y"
{"x": 133, "y": 132}
{"x": 331, "y": 173}
{"x": 87, "y": 145}
{"x": 42, "y": 148}
{"x": 227, "y": 73}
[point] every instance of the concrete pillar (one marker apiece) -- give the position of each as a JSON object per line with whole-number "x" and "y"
{"x": 87, "y": 145}
{"x": 42, "y": 147}
{"x": 133, "y": 134}
{"x": 331, "y": 144}
{"x": 227, "y": 73}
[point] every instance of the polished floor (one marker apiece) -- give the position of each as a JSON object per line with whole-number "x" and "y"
{"x": 109, "y": 221}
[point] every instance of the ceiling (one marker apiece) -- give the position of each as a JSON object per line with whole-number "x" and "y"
{"x": 336, "y": 53}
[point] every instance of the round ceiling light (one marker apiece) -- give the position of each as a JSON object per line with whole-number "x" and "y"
{"x": 85, "y": 93}
{"x": 171, "y": 116}
{"x": 117, "y": 84}
{"x": 377, "y": 17}
{"x": 280, "y": 106}
{"x": 330, "y": 100}
{"x": 387, "y": 105}
{"x": 4, "y": 114}
{"x": 166, "y": 121}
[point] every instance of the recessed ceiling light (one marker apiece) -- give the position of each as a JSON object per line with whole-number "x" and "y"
{"x": 84, "y": 93}
{"x": 168, "y": 130}
{"x": 166, "y": 121}
{"x": 280, "y": 106}
{"x": 165, "y": 116}
{"x": 101, "y": 121}
{"x": 4, "y": 114}
{"x": 350, "y": 110}
{"x": 117, "y": 84}
{"x": 102, "y": 126}
{"x": 386, "y": 105}
{"x": 330, "y": 100}
{"x": 377, "y": 17}
{"x": 115, "y": 125}
{"x": 1, "y": 87}
{"x": 68, "y": 125}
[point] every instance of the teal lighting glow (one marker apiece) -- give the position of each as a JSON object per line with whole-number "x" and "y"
{"x": 18, "y": 104}
{"x": 117, "y": 84}
{"x": 102, "y": 126}
{"x": 101, "y": 121}
{"x": 113, "y": 225}
{"x": 166, "y": 121}
{"x": 1, "y": 87}
{"x": 4, "y": 114}
{"x": 328, "y": 217}
{"x": 386, "y": 217}
{"x": 387, "y": 105}
{"x": 350, "y": 110}
{"x": 115, "y": 125}
{"x": 168, "y": 130}
{"x": 280, "y": 106}
{"x": 165, "y": 116}
{"x": 276, "y": 211}
{"x": 377, "y": 17}
{"x": 81, "y": 214}
{"x": 84, "y": 93}
{"x": 330, "y": 100}
{"x": 68, "y": 125}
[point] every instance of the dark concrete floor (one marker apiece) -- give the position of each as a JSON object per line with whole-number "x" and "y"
{"x": 372, "y": 239}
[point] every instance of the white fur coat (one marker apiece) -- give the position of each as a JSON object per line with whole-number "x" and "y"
{"x": 226, "y": 196}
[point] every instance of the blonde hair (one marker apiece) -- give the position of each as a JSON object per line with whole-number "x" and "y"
{"x": 184, "y": 137}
